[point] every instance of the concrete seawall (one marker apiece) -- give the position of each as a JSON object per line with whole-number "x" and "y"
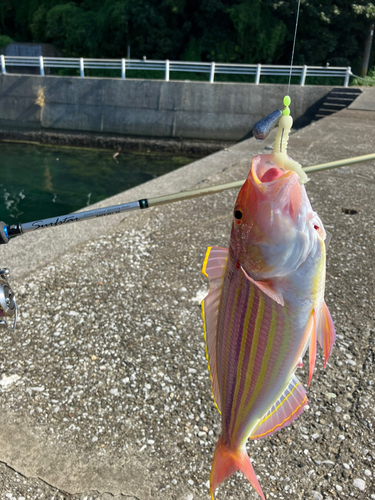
{"x": 144, "y": 108}
{"x": 105, "y": 392}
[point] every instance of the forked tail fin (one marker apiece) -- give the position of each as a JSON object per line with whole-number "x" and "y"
{"x": 226, "y": 462}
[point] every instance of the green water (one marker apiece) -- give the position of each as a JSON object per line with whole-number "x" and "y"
{"x": 38, "y": 182}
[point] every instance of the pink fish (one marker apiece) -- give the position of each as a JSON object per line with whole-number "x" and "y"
{"x": 264, "y": 309}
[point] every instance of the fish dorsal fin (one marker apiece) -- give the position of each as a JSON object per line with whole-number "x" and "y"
{"x": 326, "y": 332}
{"x": 282, "y": 413}
{"x": 266, "y": 288}
{"x": 214, "y": 265}
{"x": 214, "y": 268}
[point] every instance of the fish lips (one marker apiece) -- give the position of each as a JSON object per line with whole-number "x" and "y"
{"x": 268, "y": 176}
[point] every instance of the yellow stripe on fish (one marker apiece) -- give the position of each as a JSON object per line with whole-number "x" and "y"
{"x": 245, "y": 409}
{"x": 253, "y": 351}
{"x": 228, "y": 339}
{"x": 242, "y": 352}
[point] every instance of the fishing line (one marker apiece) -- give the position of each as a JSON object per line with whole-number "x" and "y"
{"x": 294, "y": 45}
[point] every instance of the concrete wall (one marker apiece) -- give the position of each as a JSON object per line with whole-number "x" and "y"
{"x": 144, "y": 108}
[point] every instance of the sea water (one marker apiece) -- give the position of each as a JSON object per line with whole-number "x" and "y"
{"x": 37, "y": 182}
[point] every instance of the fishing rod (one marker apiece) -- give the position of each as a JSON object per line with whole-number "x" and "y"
{"x": 8, "y": 306}
{"x": 10, "y": 231}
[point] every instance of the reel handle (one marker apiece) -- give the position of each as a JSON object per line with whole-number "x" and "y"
{"x": 8, "y": 305}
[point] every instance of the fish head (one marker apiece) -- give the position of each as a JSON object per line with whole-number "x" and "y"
{"x": 274, "y": 227}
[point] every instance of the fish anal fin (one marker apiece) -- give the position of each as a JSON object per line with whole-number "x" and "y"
{"x": 326, "y": 332}
{"x": 214, "y": 268}
{"x": 282, "y": 413}
{"x": 267, "y": 288}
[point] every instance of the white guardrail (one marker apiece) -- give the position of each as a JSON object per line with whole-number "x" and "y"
{"x": 258, "y": 70}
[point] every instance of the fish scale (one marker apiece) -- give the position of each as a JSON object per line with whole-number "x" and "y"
{"x": 248, "y": 378}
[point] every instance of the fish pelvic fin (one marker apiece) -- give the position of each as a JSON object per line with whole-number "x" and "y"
{"x": 326, "y": 332}
{"x": 226, "y": 462}
{"x": 320, "y": 328}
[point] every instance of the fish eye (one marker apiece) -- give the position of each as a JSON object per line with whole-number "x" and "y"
{"x": 238, "y": 214}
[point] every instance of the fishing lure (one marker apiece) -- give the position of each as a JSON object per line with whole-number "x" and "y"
{"x": 265, "y": 307}
{"x": 262, "y": 128}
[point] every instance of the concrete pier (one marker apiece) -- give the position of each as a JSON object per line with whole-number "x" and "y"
{"x": 104, "y": 385}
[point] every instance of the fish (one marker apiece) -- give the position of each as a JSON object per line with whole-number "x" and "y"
{"x": 265, "y": 308}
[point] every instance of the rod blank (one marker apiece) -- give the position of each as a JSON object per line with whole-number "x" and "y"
{"x": 186, "y": 195}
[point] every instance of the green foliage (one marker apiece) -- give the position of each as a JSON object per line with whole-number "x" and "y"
{"x": 4, "y": 41}
{"x": 366, "y": 8}
{"x": 369, "y": 81}
{"x": 72, "y": 29}
{"x": 260, "y": 34}
{"x": 329, "y": 31}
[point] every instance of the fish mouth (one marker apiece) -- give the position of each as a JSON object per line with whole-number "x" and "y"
{"x": 265, "y": 171}
{"x": 276, "y": 185}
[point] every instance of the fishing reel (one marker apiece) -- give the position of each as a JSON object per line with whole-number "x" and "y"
{"x": 8, "y": 306}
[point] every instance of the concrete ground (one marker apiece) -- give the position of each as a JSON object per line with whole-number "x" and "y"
{"x": 104, "y": 389}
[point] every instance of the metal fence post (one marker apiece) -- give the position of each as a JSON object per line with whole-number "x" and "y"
{"x": 123, "y": 69}
{"x": 212, "y": 73}
{"x": 167, "y": 70}
{"x": 347, "y": 76}
{"x": 3, "y": 68}
{"x": 81, "y": 67}
{"x": 41, "y": 65}
{"x": 257, "y": 75}
{"x": 303, "y": 76}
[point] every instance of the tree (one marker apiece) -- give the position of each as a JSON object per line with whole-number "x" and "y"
{"x": 248, "y": 31}
{"x": 329, "y": 31}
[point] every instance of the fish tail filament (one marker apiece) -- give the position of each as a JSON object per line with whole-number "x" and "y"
{"x": 226, "y": 462}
